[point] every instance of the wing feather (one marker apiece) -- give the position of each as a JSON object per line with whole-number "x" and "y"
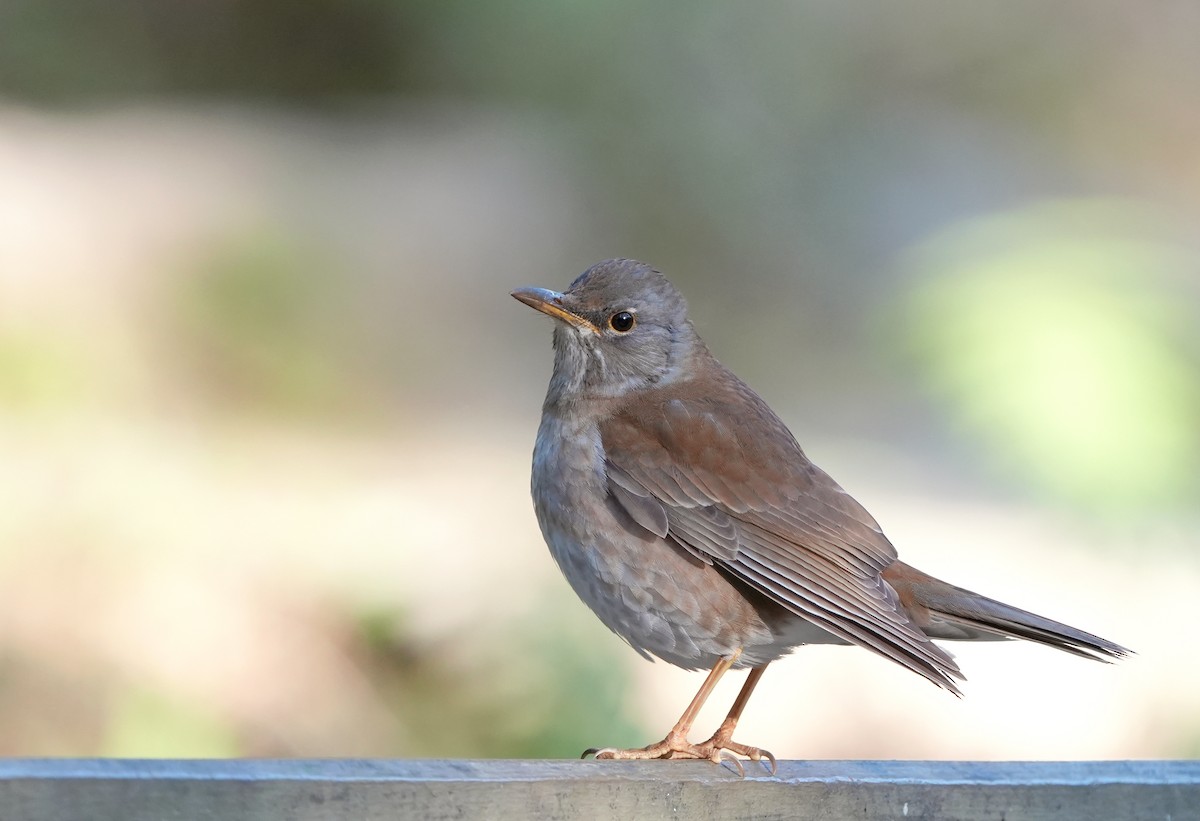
{"x": 747, "y": 498}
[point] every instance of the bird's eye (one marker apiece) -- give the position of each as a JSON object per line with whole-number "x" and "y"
{"x": 622, "y": 322}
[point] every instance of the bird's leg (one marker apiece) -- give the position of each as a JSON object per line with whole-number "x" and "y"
{"x": 721, "y": 747}
{"x": 676, "y": 745}
{"x": 722, "y": 740}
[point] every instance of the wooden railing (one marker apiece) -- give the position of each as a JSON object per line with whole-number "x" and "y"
{"x": 372, "y": 790}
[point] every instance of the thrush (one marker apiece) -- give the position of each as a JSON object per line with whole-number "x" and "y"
{"x": 684, "y": 513}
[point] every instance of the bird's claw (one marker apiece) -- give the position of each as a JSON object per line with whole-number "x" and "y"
{"x": 717, "y": 750}
{"x": 732, "y": 754}
{"x": 767, "y": 759}
{"x": 726, "y": 757}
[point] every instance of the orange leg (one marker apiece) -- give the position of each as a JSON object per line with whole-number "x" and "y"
{"x": 722, "y": 739}
{"x": 720, "y": 747}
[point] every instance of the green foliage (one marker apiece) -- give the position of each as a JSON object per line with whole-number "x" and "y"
{"x": 1058, "y": 337}
{"x": 538, "y": 687}
{"x": 257, "y": 319}
{"x": 146, "y": 724}
{"x": 68, "y": 50}
{"x": 38, "y": 371}
{"x": 579, "y": 695}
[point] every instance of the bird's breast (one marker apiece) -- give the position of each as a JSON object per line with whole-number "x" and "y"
{"x": 568, "y": 463}
{"x": 570, "y": 490}
{"x": 648, "y": 590}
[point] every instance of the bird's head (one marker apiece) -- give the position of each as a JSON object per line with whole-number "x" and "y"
{"x": 621, "y": 327}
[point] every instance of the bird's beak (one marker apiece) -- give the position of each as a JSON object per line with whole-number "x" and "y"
{"x": 550, "y": 303}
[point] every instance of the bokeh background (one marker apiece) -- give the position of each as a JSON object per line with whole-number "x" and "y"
{"x": 266, "y": 407}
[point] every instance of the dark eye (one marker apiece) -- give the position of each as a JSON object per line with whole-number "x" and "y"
{"x": 622, "y": 322}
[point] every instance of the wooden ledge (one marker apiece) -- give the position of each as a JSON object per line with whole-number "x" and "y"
{"x": 367, "y": 790}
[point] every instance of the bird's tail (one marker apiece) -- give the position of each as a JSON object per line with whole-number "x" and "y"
{"x": 944, "y": 611}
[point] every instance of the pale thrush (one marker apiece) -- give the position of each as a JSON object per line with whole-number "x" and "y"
{"x": 685, "y": 515}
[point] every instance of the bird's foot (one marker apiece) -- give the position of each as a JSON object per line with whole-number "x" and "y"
{"x": 719, "y": 749}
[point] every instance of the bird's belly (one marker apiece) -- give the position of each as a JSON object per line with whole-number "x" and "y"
{"x": 654, "y": 596}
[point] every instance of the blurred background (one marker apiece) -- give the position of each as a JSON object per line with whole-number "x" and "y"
{"x": 266, "y": 407}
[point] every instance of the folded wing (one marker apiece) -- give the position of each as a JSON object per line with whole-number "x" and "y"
{"x": 745, "y": 497}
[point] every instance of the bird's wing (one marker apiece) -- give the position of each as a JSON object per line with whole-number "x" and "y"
{"x": 722, "y": 476}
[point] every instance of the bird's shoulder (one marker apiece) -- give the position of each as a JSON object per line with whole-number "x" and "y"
{"x": 716, "y": 444}
{"x": 716, "y": 425}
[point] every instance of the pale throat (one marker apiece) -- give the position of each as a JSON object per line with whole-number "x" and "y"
{"x": 584, "y": 368}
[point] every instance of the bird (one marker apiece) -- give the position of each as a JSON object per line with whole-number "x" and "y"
{"x": 684, "y": 513}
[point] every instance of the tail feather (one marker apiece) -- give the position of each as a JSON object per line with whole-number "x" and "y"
{"x": 992, "y": 616}
{"x": 945, "y": 611}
